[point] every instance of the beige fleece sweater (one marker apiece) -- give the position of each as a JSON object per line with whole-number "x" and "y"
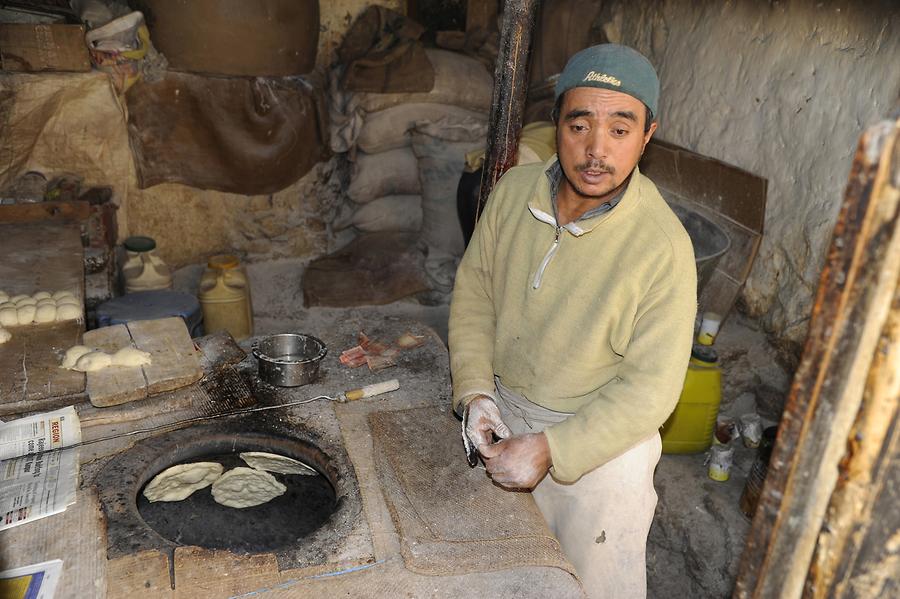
{"x": 594, "y": 318}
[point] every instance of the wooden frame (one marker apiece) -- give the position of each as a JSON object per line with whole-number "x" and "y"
{"x": 828, "y": 518}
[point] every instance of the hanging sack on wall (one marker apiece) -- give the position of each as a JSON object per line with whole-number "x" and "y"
{"x": 387, "y": 173}
{"x": 391, "y": 128}
{"x": 440, "y": 147}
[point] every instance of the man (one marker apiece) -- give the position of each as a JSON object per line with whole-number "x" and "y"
{"x": 571, "y": 323}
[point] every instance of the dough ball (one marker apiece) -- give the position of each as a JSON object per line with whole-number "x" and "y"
{"x": 26, "y": 301}
{"x": 16, "y": 298}
{"x": 130, "y": 356}
{"x": 92, "y": 361}
{"x": 6, "y": 305}
{"x": 4, "y": 335}
{"x": 73, "y": 353}
{"x": 45, "y": 313}
{"x": 178, "y": 482}
{"x": 26, "y": 314}
{"x": 9, "y": 317}
{"x": 271, "y": 462}
{"x": 42, "y": 295}
{"x": 4, "y": 297}
{"x": 68, "y": 300}
{"x": 67, "y": 312}
{"x": 61, "y": 294}
{"x": 245, "y": 487}
{"x": 49, "y": 301}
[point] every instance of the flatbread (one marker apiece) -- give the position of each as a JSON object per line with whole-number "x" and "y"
{"x": 271, "y": 462}
{"x": 245, "y": 487}
{"x": 178, "y": 482}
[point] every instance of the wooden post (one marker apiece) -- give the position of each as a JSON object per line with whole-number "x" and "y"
{"x": 828, "y": 512}
{"x": 510, "y": 91}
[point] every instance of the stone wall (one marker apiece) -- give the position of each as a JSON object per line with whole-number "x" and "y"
{"x": 782, "y": 89}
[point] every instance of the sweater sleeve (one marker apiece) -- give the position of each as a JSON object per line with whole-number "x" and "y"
{"x": 634, "y": 404}
{"x": 472, "y": 319}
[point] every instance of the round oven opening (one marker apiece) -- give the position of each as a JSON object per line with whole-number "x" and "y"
{"x": 284, "y": 521}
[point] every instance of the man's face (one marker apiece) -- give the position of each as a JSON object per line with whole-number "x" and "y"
{"x": 600, "y": 137}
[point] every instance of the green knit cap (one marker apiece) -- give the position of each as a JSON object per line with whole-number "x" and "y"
{"x": 615, "y": 67}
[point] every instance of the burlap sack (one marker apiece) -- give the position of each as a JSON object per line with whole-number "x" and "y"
{"x": 391, "y": 128}
{"x": 458, "y": 80}
{"x": 441, "y": 148}
{"x": 388, "y": 173}
{"x": 390, "y": 213}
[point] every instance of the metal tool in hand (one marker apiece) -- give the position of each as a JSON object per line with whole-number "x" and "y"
{"x": 344, "y": 397}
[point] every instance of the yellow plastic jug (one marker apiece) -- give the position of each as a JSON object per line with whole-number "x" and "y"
{"x": 690, "y": 427}
{"x": 225, "y": 297}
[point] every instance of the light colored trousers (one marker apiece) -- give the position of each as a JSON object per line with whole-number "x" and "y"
{"x": 603, "y": 519}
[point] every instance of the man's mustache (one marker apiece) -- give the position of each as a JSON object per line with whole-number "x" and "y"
{"x": 596, "y": 165}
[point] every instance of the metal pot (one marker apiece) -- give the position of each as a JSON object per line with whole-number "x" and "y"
{"x": 290, "y": 359}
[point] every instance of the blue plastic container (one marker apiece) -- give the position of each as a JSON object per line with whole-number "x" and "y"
{"x": 150, "y": 305}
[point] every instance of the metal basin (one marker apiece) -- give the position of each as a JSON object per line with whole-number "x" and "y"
{"x": 290, "y": 359}
{"x": 709, "y": 240}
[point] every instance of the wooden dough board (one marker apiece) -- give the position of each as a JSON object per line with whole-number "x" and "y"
{"x": 40, "y": 257}
{"x": 175, "y": 361}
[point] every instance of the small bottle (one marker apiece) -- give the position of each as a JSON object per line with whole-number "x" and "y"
{"x": 709, "y": 328}
{"x": 143, "y": 269}
{"x": 720, "y": 460}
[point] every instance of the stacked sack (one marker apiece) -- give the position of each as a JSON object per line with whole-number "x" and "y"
{"x": 407, "y": 152}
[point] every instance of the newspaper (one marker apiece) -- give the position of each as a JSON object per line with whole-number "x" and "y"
{"x": 31, "y": 582}
{"x": 36, "y": 486}
{"x": 34, "y": 434}
{"x": 35, "y": 480}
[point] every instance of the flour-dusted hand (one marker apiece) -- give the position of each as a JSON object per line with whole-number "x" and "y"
{"x": 481, "y": 418}
{"x": 519, "y": 462}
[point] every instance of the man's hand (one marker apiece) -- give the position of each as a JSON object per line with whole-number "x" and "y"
{"x": 484, "y": 419}
{"x": 519, "y": 462}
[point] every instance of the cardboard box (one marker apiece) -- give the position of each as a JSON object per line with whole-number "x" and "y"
{"x": 33, "y": 47}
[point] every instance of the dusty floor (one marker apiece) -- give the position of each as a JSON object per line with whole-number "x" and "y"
{"x": 698, "y": 534}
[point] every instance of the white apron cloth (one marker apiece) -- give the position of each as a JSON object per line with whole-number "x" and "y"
{"x": 603, "y": 519}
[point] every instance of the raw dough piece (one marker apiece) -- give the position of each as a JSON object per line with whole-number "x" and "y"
{"x": 73, "y": 353}
{"x": 245, "y": 487}
{"x": 4, "y": 335}
{"x": 271, "y": 462}
{"x": 9, "y": 317}
{"x": 16, "y": 298}
{"x": 42, "y": 295}
{"x": 67, "y": 312}
{"x": 26, "y": 301}
{"x": 45, "y": 313}
{"x": 4, "y": 297}
{"x": 25, "y": 314}
{"x": 61, "y": 294}
{"x": 130, "y": 356}
{"x": 95, "y": 360}
{"x": 48, "y": 301}
{"x": 178, "y": 482}
{"x": 5, "y": 305}
{"x": 68, "y": 300}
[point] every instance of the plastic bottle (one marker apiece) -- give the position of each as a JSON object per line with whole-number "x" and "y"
{"x": 143, "y": 269}
{"x": 225, "y": 297}
{"x": 690, "y": 427}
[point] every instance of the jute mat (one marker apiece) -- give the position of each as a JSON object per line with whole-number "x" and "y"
{"x": 451, "y": 518}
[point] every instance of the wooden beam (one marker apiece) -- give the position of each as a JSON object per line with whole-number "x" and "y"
{"x": 855, "y": 313}
{"x": 510, "y": 91}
